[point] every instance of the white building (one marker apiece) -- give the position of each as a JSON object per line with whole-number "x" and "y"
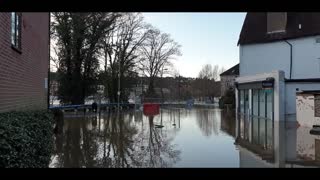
{"x": 227, "y": 79}
{"x": 279, "y": 56}
{"x": 289, "y": 53}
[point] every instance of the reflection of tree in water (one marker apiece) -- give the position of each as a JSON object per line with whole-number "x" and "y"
{"x": 77, "y": 145}
{"x": 207, "y": 122}
{"x": 228, "y": 122}
{"x": 117, "y": 144}
{"x": 154, "y": 147}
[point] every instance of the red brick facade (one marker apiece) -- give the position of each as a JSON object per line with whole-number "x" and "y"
{"x": 22, "y": 75}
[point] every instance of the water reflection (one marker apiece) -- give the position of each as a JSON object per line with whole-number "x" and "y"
{"x": 303, "y": 148}
{"x": 208, "y": 121}
{"x": 176, "y": 137}
{"x": 180, "y": 137}
{"x": 114, "y": 140}
{"x": 228, "y": 123}
{"x": 282, "y": 144}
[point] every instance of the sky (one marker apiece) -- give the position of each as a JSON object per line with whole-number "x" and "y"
{"x": 206, "y": 38}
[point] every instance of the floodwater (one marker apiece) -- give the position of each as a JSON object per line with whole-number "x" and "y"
{"x": 177, "y": 137}
{"x": 188, "y": 138}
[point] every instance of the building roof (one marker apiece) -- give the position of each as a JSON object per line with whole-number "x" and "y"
{"x": 254, "y": 28}
{"x": 232, "y": 71}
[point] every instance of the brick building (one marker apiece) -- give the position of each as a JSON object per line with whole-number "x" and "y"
{"x": 24, "y": 60}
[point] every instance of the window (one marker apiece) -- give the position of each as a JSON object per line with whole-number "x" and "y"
{"x": 276, "y": 22}
{"x": 16, "y": 30}
{"x": 317, "y": 105}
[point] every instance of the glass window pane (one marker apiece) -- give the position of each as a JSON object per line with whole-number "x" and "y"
{"x": 269, "y": 133}
{"x": 13, "y": 29}
{"x": 262, "y": 103}
{"x": 255, "y": 102}
{"x": 241, "y": 101}
{"x": 255, "y": 131}
{"x": 269, "y": 103}
{"x": 246, "y": 101}
{"x": 241, "y": 119}
{"x": 262, "y": 131}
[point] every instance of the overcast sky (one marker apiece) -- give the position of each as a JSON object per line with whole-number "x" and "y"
{"x": 205, "y": 38}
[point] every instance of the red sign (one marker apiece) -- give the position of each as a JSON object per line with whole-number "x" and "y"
{"x": 151, "y": 109}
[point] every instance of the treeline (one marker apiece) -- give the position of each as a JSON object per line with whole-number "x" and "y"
{"x": 111, "y": 49}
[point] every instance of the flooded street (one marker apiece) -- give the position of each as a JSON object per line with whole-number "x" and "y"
{"x": 179, "y": 137}
{"x": 188, "y": 138}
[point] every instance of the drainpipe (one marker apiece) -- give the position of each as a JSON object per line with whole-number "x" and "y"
{"x": 290, "y": 57}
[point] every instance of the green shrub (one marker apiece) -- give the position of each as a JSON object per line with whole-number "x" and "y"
{"x": 26, "y": 139}
{"x": 229, "y": 98}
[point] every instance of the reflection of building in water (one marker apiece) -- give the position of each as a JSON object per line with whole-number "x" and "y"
{"x": 250, "y": 160}
{"x": 298, "y": 148}
{"x": 301, "y": 146}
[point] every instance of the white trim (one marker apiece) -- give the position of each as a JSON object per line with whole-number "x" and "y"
{"x": 277, "y": 31}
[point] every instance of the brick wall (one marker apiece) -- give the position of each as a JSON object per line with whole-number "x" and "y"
{"x": 22, "y": 76}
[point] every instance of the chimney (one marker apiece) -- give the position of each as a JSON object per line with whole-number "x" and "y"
{"x": 276, "y": 22}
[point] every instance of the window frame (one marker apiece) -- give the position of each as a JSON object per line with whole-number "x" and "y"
{"x": 16, "y": 39}
{"x": 316, "y": 99}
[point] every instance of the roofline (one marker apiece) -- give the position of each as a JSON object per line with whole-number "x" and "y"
{"x": 303, "y": 80}
{"x": 278, "y": 40}
{"x": 229, "y": 69}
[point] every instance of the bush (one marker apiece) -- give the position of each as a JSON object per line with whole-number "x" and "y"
{"x": 228, "y": 98}
{"x": 26, "y": 139}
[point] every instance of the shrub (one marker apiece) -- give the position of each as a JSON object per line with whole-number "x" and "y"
{"x": 229, "y": 98}
{"x": 26, "y": 139}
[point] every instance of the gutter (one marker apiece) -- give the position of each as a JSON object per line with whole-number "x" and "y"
{"x": 290, "y": 57}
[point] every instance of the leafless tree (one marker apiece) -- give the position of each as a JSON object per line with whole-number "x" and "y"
{"x": 157, "y": 51}
{"x": 211, "y": 73}
{"x": 120, "y": 49}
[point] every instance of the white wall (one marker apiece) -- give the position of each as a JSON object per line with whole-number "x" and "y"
{"x": 267, "y": 57}
{"x": 291, "y": 96}
{"x": 305, "y": 111}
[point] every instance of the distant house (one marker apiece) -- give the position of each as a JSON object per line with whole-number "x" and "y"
{"x": 227, "y": 78}
{"x": 24, "y": 61}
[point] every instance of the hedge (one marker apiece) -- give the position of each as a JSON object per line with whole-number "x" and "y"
{"x": 26, "y": 139}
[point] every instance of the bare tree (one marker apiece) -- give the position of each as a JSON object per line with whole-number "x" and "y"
{"x": 211, "y": 73}
{"x": 221, "y": 71}
{"x": 158, "y": 50}
{"x": 120, "y": 50}
{"x": 206, "y": 72}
